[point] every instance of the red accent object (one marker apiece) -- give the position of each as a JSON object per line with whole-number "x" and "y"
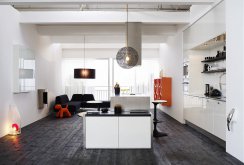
{"x": 163, "y": 90}
{"x": 15, "y": 126}
{"x": 62, "y": 111}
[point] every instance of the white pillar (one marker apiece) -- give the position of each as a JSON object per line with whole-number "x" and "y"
{"x": 235, "y": 76}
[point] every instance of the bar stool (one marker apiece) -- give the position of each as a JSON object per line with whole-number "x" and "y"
{"x": 156, "y": 133}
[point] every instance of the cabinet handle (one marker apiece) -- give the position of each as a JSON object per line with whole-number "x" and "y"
{"x": 229, "y": 118}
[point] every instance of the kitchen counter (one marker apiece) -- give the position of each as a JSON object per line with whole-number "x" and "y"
{"x": 124, "y": 113}
{"x": 203, "y": 96}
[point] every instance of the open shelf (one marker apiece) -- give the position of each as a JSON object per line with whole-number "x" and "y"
{"x": 212, "y": 43}
{"x": 215, "y": 71}
{"x": 215, "y": 59}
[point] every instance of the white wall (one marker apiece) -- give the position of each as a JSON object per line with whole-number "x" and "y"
{"x": 171, "y": 61}
{"x": 235, "y": 76}
{"x": 11, "y": 33}
{"x": 208, "y": 27}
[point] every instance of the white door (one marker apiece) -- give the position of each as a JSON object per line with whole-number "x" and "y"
{"x": 135, "y": 132}
{"x": 102, "y": 132}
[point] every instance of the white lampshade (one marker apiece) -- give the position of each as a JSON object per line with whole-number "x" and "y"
{"x": 14, "y": 121}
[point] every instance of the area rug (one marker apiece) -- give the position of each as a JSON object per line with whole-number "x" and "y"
{"x": 82, "y": 114}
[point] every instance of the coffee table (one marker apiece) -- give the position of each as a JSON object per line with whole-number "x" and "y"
{"x": 98, "y": 103}
{"x": 156, "y": 133}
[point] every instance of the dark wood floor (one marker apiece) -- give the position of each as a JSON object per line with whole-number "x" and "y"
{"x": 60, "y": 141}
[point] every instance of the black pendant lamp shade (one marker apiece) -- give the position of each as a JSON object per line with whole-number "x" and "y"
{"x": 84, "y": 73}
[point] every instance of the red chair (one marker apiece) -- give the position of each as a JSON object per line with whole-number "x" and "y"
{"x": 62, "y": 111}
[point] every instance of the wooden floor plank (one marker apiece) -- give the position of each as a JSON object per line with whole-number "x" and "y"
{"x": 60, "y": 141}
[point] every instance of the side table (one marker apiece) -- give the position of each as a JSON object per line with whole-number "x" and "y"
{"x": 98, "y": 103}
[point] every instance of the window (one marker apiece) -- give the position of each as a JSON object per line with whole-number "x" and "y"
{"x": 138, "y": 80}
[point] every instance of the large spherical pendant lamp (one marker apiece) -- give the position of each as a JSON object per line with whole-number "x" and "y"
{"x": 127, "y": 57}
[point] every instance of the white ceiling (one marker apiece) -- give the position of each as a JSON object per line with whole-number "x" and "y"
{"x": 103, "y": 21}
{"x": 168, "y": 2}
{"x": 101, "y": 7}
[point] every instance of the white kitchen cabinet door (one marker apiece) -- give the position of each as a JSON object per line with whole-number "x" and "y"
{"x": 195, "y": 111}
{"x": 220, "y": 119}
{"x": 187, "y": 107}
{"x": 208, "y": 118}
{"x": 135, "y": 132}
{"x": 207, "y": 115}
{"x": 198, "y": 108}
{"x": 102, "y": 132}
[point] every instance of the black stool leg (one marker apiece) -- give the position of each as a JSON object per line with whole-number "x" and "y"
{"x": 156, "y": 133}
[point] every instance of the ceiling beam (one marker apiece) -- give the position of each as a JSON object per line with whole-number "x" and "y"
{"x": 79, "y": 17}
{"x": 102, "y": 30}
{"x": 105, "y": 39}
{"x": 172, "y": 2}
{"x": 107, "y": 45}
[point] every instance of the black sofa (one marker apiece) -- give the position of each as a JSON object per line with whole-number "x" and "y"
{"x": 83, "y": 98}
{"x": 73, "y": 106}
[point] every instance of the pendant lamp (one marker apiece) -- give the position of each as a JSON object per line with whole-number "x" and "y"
{"x": 84, "y": 73}
{"x": 127, "y": 57}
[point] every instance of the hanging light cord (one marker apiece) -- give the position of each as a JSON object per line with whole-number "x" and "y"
{"x": 84, "y": 51}
{"x": 127, "y": 30}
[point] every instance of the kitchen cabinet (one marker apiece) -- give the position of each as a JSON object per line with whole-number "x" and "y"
{"x": 192, "y": 110}
{"x": 101, "y": 132}
{"x": 134, "y": 132}
{"x": 118, "y": 131}
{"x": 219, "y": 119}
{"x": 163, "y": 90}
{"x": 206, "y": 113}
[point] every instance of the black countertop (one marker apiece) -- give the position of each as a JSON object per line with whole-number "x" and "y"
{"x": 124, "y": 113}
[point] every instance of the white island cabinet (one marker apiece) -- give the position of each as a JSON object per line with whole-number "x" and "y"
{"x": 126, "y": 130}
{"x": 134, "y": 132}
{"x": 101, "y": 132}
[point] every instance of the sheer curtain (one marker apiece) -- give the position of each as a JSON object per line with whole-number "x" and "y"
{"x": 138, "y": 80}
{"x": 98, "y": 86}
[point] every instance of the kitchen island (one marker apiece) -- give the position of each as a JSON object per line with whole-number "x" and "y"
{"x": 125, "y": 130}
